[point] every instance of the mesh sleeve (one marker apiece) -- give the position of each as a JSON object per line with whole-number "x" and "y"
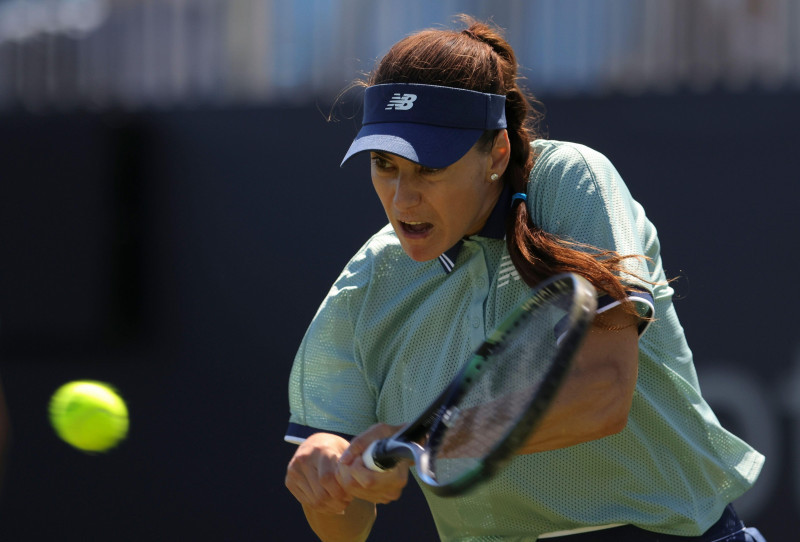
{"x": 327, "y": 388}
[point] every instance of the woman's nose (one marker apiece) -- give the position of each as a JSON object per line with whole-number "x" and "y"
{"x": 406, "y": 193}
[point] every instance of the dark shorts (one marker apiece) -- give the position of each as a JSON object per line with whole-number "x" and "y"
{"x": 729, "y": 528}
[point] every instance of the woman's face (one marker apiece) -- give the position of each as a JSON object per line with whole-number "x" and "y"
{"x": 432, "y": 209}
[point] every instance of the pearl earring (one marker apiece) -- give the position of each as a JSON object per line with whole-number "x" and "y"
{"x": 494, "y": 177}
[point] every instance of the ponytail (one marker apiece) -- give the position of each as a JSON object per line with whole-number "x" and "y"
{"x": 536, "y": 254}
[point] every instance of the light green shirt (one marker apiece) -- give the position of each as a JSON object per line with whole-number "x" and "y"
{"x": 393, "y": 332}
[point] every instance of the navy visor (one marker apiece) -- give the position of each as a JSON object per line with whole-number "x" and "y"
{"x": 428, "y": 124}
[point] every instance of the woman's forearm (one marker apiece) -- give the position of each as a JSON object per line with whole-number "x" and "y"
{"x": 595, "y": 400}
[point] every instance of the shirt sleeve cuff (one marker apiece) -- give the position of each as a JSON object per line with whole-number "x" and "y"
{"x": 643, "y": 302}
{"x": 297, "y": 433}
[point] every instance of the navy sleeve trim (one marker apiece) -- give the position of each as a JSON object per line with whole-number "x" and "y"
{"x": 643, "y": 299}
{"x": 297, "y": 434}
{"x": 606, "y": 302}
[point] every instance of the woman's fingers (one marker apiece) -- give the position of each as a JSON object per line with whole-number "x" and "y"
{"x": 311, "y": 475}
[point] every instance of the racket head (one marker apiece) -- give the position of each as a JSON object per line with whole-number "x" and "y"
{"x": 496, "y": 400}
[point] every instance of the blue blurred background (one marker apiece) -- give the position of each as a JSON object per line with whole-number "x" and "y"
{"x": 172, "y": 212}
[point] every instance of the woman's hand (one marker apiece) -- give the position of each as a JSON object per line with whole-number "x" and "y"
{"x": 361, "y": 482}
{"x": 312, "y": 474}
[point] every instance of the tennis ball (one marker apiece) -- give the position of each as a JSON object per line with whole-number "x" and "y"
{"x": 89, "y": 415}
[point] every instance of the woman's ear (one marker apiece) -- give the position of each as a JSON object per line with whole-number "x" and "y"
{"x": 500, "y": 153}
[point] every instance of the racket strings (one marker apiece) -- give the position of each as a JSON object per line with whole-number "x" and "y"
{"x": 501, "y": 392}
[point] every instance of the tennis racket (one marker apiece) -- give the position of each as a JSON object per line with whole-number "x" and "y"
{"x": 491, "y": 407}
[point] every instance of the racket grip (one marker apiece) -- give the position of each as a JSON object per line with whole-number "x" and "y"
{"x": 376, "y": 458}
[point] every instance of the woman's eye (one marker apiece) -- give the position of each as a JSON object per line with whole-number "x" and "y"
{"x": 429, "y": 170}
{"x": 380, "y": 163}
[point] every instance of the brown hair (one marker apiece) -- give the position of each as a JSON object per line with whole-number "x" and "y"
{"x": 479, "y": 58}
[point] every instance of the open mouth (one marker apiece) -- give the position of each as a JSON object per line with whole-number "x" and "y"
{"x": 416, "y": 228}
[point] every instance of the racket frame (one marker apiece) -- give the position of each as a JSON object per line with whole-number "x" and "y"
{"x": 419, "y": 440}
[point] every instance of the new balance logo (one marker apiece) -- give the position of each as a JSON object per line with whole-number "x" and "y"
{"x": 401, "y": 102}
{"x": 507, "y": 272}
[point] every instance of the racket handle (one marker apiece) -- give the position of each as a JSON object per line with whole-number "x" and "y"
{"x": 376, "y": 458}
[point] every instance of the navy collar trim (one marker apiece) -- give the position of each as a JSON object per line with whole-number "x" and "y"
{"x": 495, "y": 228}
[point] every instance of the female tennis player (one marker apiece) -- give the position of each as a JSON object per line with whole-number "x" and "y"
{"x": 481, "y": 209}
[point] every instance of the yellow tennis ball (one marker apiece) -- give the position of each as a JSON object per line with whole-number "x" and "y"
{"x": 89, "y": 415}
